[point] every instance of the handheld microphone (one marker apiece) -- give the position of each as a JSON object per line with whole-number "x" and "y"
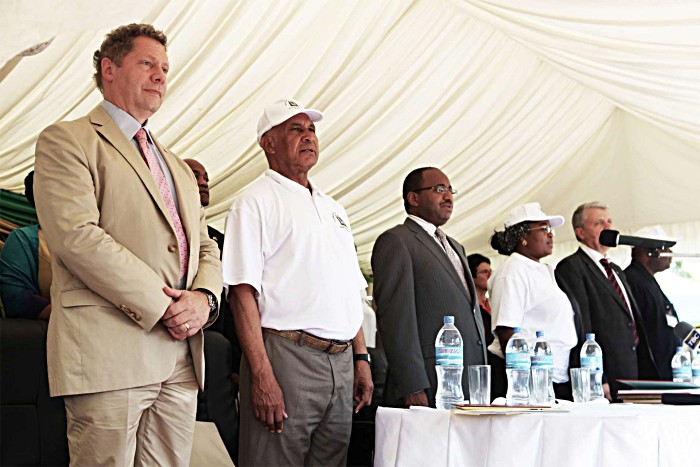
{"x": 690, "y": 335}
{"x": 612, "y": 238}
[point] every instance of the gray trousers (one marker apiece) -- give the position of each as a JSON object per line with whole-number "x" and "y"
{"x": 317, "y": 389}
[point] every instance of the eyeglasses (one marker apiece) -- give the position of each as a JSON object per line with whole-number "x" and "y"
{"x": 442, "y": 189}
{"x": 547, "y": 228}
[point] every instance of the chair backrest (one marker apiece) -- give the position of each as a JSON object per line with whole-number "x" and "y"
{"x": 32, "y": 424}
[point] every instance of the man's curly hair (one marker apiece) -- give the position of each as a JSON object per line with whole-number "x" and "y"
{"x": 120, "y": 42}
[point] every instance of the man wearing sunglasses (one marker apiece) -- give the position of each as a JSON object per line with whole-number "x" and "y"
{"x": 421, "y": 275}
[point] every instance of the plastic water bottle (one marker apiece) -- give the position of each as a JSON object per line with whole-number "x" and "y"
{"x": 695, "y": 367}
{"x": 592, "y": 358}
{"x": 449, "y": 364}
{"x": 541, "y": 357}
{"x": 518, "y": 369}
{"x": 680, "y": 366}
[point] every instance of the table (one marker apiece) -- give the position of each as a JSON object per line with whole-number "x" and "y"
{"x": 208, "y": 449}
{"x": 588, "y": 435}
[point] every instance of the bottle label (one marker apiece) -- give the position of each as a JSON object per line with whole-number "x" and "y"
{"x": 449, "y": 356}
{"x": 594, "y": 363}
{"x": 542, "y": 361}
{"x": 682, "y": 373}
{"x": 517, "y": 361}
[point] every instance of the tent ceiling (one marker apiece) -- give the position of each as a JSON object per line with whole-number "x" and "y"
{"x": 558, "y": 102}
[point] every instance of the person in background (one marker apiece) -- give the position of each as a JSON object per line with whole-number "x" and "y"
{"x": 525, "y": 294}
{"x": 607, "y": 307}
{"x": 220, "y": 340}
{"x": 134, "y": 271}
{"x": 25, "y": 269}
{"x": 294, "y": 288}
{"x": 202, "y": 177}
{"x": 658, "y": 314}
{"x": 421, "y": 275}
{"x": 480, "y": 269}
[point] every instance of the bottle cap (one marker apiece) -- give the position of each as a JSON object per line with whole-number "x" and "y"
{"x": 448, "y": 320}
{"x": 590, "y": 336}
{"x": 516, "y": 330}
{"x": 539, "y": 333}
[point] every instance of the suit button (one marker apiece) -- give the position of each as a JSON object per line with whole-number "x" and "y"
{"x": 172, "y": 248}
{"x": 634, "y": 348}
{"x": 478, "y": 342}
{"x": 629, "y": 325}
{"x": 124, "y": 308}
{"x": 136, "y": 316}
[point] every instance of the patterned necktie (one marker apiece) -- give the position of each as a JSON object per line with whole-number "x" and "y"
{"x": 454, "y": 259}
{"x": 611, "y": 277}
{"x": 162, "y": 183}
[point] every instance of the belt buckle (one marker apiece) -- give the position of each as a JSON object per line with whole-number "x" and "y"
{"x": 334, "y": 342}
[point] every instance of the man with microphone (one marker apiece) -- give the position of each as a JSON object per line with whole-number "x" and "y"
{"x": 608, "y": 309}
{"x": 658, "y": 314}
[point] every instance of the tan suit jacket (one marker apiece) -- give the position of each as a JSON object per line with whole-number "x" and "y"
{"x": 113, "y": 249}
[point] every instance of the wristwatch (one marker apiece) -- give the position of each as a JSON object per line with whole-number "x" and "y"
{"x": 362, "y": 356}
{"x": 211, "y": 298}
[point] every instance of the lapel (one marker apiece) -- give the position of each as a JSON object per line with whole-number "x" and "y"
{"x": 189, "y": 212}
{"x": 603, "y": 281}
{"x": 106, "y": 127}
{"x": 465, "y": 265}
{"x": 436, "y": 250}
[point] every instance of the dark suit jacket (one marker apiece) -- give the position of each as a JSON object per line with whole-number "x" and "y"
{"x": 654, "y": 306}
{"x": 604, "y": 313}
{"x": 415, "y": 285}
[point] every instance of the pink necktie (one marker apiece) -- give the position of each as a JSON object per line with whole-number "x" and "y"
{"x": 142, "y": 139}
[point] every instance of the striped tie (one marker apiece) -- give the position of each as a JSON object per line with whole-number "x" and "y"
{"x": 454, "y": 259}
{"x": 167, "y": 197}
{"x": 611, "y": 277}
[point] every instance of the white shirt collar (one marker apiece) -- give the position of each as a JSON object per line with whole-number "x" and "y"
{"x": 289, "y": 184}
{"x": 126, "y": 123}
{"x": 425, "y": 225}
{"x": 596, "y": 256}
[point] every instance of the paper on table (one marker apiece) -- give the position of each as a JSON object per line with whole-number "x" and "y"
{"x": 467, "y": 409}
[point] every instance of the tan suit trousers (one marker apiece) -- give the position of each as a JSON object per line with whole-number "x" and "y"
{"x": 143, "y": 426}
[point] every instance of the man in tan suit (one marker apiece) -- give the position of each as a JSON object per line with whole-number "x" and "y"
{"x": 133, "y": 267}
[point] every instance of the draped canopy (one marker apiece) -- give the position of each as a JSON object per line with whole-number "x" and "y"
{"x": 516, "y": 101}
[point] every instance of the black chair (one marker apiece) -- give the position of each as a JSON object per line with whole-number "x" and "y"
{"x": 218, "y": 402}
{"x": 32, "y": 424}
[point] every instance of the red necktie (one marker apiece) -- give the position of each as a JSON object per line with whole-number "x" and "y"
{"x": 162, "y": 183}
{"x": 611, "y": 277}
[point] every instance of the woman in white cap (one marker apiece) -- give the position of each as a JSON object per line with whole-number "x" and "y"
{"x": 524, "y": 294}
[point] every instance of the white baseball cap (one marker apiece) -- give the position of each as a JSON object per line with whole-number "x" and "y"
{"x": 531, "y": 212}
{"x": 282, "y": 110}
{"x": 655, "y": 232}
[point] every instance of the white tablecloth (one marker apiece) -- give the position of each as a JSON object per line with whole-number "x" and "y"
{"x": 612, "y": 435}
{"x": 208, "y": 449}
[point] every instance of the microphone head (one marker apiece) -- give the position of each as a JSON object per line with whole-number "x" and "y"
{"x": 609, "y": 238}
{"x": 682, "y": 330}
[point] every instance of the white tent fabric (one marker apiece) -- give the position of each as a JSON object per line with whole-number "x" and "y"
{"x": 516, "y": 101}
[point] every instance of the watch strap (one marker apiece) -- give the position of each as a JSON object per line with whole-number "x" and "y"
{"x": 362, "y": 357}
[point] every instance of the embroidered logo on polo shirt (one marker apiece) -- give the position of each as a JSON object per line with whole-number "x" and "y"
{"x": 341, "y": 223}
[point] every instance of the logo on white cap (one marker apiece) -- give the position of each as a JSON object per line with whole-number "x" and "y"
{"x": 281, "y": 111}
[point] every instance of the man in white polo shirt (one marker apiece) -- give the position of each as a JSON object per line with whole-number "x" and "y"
{"x": 294, "y": 289}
